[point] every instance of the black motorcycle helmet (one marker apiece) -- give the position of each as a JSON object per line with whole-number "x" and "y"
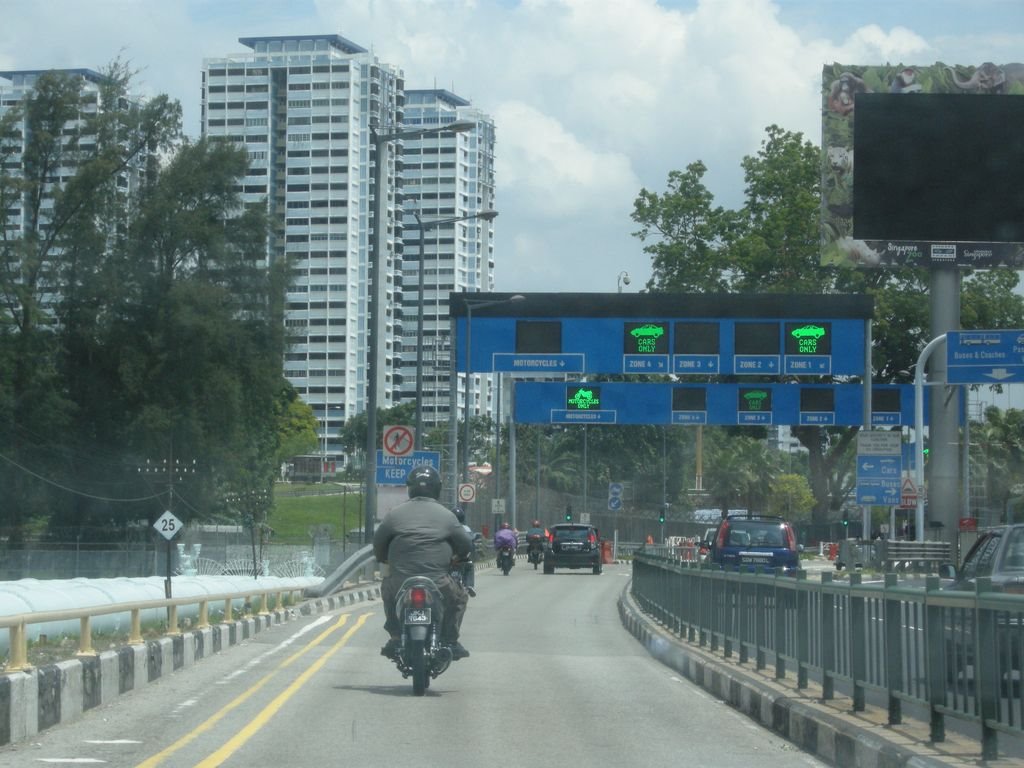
{"x": 423, "y": 480}
{"x": 460, "y": 513}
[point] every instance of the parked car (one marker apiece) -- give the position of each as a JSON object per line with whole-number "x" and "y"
{"x": 755, "y": 541}
{"x": 572, "y": 545}
{"x": 998, "y": 554}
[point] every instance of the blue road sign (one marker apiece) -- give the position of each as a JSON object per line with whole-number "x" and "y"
{"x": 581, "y": 345}
{"x": 881, "y": 492}
{"x": 537, "y": 364}
{"x": 985, "y": 357}
{"x": 391, "y": 470}
{"x": 563, "y": 416}
{"x": 539, "y": 402}
{"x": 879, "y": 467}
{"x": 614, "y": 503}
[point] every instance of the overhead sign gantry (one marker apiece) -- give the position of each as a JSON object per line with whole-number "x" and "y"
{"x": 700, "y": 334}
{"x": 827, "y": 405}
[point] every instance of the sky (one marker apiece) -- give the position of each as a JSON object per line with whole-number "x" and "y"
{"x": 593, "y": 100}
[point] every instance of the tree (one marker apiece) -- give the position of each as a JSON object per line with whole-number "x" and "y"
{"x": 1001, "y": 464}
{"x": 771, "y": 244}
{"x": 101, "y": 136}
{"x": 296, "y": 425}
{"x": 790, "y": 497}
{"x": 139, "y": 311}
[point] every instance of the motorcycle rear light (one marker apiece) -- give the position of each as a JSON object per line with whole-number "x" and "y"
{"x": 418, "y": 597}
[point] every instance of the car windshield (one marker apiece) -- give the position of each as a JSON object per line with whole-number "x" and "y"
{"x": 751, "y": 533}
{"x": 573, "y": 534}
{"x": 1013, "y": 560}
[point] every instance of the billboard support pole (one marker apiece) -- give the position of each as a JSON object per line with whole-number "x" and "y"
{"x": 944, "y": 427}
{"x": 922, "y": 361}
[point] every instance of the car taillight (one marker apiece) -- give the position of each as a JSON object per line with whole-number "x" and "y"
{"x": 418, "y": 597}
{"x": 723, "y": 534}
{"x": 790, "y": 538}
{"x": 591, "y": 538}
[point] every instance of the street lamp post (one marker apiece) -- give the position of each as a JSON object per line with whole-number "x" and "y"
{"x": 624, "y": 279}
{"x": 373, "y": 324}
{"x": 422, "y": 226}
{"x": 470, "y": 306}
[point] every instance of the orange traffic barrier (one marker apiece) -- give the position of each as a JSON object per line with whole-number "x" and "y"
{"x": 606, "y": 553}
{"x": 833, "y": 551}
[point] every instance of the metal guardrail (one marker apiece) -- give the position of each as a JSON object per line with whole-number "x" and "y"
{"x": 18, "y": 637}
{"x": 959, "y": 654}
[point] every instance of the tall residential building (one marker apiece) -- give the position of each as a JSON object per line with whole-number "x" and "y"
{"x": 304, "y": 106}
{"x": 78, "y": 142}
{"x": 447, "y": 178}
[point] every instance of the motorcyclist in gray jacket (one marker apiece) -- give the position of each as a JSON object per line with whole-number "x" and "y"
{"x": 419, "y": 538}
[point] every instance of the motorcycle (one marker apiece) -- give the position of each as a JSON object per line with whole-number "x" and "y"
{"x": 535, "y": 554}
{"x": 422, "y": 655}
{"x": 506, "y": 559}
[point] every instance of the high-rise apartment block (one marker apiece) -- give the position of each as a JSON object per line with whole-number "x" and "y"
{"x": 448, "y": 183}
{"x": 77, "y": 142}
{"x": 306, "y": 109}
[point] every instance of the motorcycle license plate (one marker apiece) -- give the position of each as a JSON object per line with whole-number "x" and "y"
{"x": 421, "y": 616}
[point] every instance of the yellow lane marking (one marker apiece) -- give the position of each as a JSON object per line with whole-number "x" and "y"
{"x": 235, "y": 743}
{"x": 159, "y": 757}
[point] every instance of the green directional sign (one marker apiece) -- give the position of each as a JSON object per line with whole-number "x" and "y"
{"x": 582, "y": 398}
{"x": 753, "y": 399}
{"x": 645, "y": 339}
{"x": 809, "y": 338}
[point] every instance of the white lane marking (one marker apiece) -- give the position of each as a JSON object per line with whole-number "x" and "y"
{"x": 112, "y": 741}
{"x": 183, "y": 705}
{"x": 69, "y": 760}
{"x": 696, "y": 689}
{"x": 276, "y": 649}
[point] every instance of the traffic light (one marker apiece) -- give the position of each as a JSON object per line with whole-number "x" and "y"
{"x": 661, "y": 514}
{"x": 568, "y": 513}
{"x": 846, "y": 519}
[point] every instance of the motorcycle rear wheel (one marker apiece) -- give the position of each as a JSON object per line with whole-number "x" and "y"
{"x": 418, "y": 662}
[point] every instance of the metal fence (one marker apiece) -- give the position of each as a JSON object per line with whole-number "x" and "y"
{"x": 957, "y": 654}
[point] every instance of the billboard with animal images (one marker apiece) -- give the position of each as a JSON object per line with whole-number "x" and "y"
{"x": 921, "y": 165}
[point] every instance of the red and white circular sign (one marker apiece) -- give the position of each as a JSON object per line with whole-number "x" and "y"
{"x": 398, "y": 441}
{"x": 467, "y": 492}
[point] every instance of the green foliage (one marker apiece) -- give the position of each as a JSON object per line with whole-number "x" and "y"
{"x": 296, "y": 425}
{"x": 133, "y": 327}
{"x": 294, "y": 517}
{"x": 790, "y": 496}
{"x": 772, "y": 244}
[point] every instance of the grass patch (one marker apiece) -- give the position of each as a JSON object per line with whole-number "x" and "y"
{"x": 295, "y": 516}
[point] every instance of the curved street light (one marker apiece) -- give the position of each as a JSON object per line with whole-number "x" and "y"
{"x": 470, "y": 306}
{"x": 624, "y": 279}
{"x": 423, "y": 226}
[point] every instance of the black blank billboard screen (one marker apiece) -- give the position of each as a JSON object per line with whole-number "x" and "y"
{"x": 537, "y": 337}
{"x": 938, "y": 167}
